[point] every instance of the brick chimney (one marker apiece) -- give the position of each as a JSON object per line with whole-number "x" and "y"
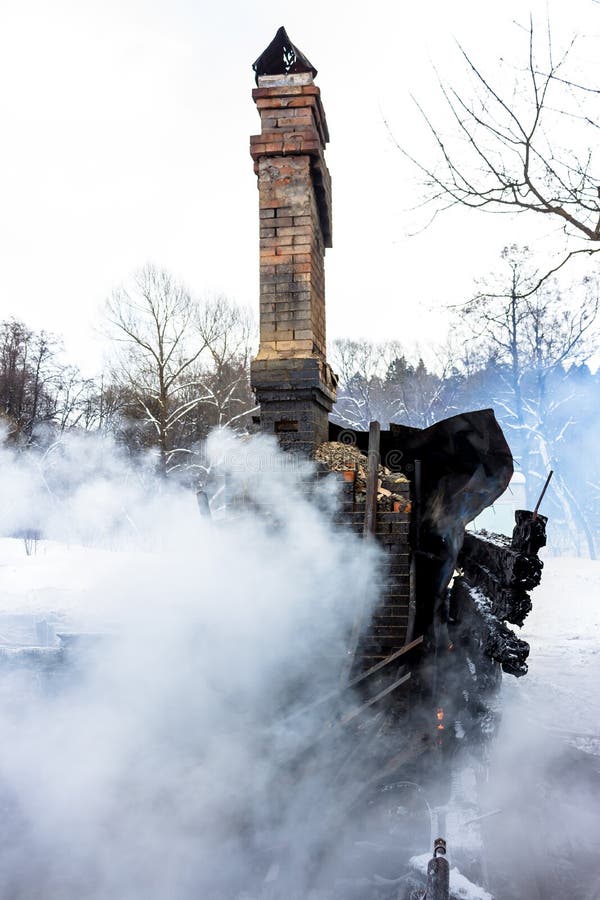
{"x": 294, "y": 385}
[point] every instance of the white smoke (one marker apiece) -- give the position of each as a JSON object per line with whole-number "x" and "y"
{"x": 180, "y": 753}
{"x": 167, "y": 759}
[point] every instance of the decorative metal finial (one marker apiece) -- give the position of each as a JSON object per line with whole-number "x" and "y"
{"x": 282, "y": 58}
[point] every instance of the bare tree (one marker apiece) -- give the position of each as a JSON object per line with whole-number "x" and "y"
{"x": 361, "y": 366}
{"x": 154, "y": 322}
{"x": 378, "y": 382}
{"x": 184, "y": 363}
{"x": 531, "y": 336}
{"x": 76, "y": 400}
{"x": 230, "y": 334}
{"x": 31, "y": 375}
{"x": 220, "y": 378}
{"x": 525, "y": 149}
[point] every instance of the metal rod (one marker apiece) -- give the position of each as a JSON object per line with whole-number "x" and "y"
{"x": 541, "y": 497}
{"x": 417, "y": 503}
{"x": 487, "y": 815}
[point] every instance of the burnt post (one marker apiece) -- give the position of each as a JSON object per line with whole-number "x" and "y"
{"x": 294, "y": 385}
{"x": 372, "y": 480}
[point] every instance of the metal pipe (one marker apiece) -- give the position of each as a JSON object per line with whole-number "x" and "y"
{"x": 438, "y": 873}
{"x": 203, "y": 504}
{"x": 541, "y": 497}
{"x": 418, "y": 510}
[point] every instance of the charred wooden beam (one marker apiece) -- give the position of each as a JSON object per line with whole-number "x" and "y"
{"x": 503, "y": 569}
{"x": 506, "y": 648}
{"x": 510, "y": 604}
{"x": 509, "y": 564}
{"x": 475, "y": 615}
{"x": 529, "y": 534}
{"x": 372, "y": 475}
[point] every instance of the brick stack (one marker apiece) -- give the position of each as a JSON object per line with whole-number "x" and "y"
{"x": 387, "y": 630}
{"x": 293, "y": 383}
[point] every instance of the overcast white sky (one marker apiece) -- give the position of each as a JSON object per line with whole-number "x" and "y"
{"x": 125, "y": 139}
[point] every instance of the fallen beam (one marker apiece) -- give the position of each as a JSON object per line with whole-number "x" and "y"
{"x": 510, "y": 603}
{"x": 349, "y": 717}
{"x": 511, "y": 567}
{"x": 475, "y": 614}
{"x": 385, "y": 662}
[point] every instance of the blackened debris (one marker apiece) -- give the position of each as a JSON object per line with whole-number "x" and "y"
{"x": 497, "y": 573}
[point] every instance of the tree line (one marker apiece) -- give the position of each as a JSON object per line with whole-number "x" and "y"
{"x": 180, "y": 366}
{"x": 522, "y": 346}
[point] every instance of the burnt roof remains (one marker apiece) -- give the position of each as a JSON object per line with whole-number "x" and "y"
{"x": 282, "y": 57}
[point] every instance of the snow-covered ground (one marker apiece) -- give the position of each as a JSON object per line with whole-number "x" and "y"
{"x": 53, "y": 584}
{"x": 560, "y": 692}
{"x": 52, "y": 578}
{"x": 544, "y": 774}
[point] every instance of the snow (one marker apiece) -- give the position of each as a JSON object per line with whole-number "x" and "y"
{"x": 57, "y": 582}
{"x": 54, "y": 578}
{"x": 560, "y": 691}
{"x": 61, "y": 586}
{"x": 58, "y": 587}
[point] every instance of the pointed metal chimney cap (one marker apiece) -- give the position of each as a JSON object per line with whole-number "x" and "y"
{"x": 281, "y": 57}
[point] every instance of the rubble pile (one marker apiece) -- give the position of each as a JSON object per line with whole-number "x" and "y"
{"x": 392, "y": 487}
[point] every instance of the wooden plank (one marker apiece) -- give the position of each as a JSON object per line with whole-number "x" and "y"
{"x": 369, "y": 524}
{"x": 337, "y": 692}
{"x": 388, "y": 690}
{"x": 372, "y": 475}
{"x": 412, "y": 599}
{"x": 385, "y": 662}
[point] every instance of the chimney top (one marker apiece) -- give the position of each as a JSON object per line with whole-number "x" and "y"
{"x": 281, "y": 57}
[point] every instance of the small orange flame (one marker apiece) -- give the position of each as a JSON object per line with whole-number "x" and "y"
{"x": 440, "y": 717}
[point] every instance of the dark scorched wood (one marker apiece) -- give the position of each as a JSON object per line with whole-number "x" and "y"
{"x": 497, "y": 573}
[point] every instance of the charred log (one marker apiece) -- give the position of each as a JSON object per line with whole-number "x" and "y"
{"x": 507, "y": 604}
{"x": 497, "y": 572}
{"x": 529, "y": 534}
{"x": 473, "y": 615}
{"x": 504, "y": 575}
{"x": 511, "y": 563}
{"x": 507, "y": 649}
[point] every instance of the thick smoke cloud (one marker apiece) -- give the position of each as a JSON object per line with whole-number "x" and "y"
{"x": 178, "y": 751}
{"x": 165, "y": 760}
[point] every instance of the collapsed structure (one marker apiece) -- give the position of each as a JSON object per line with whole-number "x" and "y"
{"x": 414, "y": 491}
{"x": 433, "y": 640}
